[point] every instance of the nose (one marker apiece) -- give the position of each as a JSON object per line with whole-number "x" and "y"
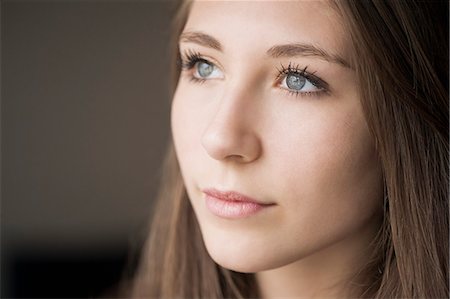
{"x": 232, "y": 132}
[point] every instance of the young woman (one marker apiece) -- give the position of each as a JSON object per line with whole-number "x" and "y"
{"x": 310, "y": 153}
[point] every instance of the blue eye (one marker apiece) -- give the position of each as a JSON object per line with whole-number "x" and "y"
{"x": 199, "y": 68}
{"x": 298, "y": 81}
{"x": 206, "y": 70}
{"x": 295, "y": 81}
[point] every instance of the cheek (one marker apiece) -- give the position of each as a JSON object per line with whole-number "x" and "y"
{"x": 187, "y": 126}
{"x": 182, "y": 131}
{"x": 333, "y": 178}
{"x": 324, "y": 175}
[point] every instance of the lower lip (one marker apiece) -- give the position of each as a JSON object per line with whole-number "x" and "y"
{"x": 232, "y": 209}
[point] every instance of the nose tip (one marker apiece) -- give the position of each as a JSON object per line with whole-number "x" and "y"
{"x": 227, "y": 142}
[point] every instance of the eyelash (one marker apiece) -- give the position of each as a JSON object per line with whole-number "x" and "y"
{"x": 190, "y": 58}
{"x": 188, "y": 61}
{"x": 320, "y": 84}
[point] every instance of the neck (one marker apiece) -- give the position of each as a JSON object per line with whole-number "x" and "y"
{"x": 328, "y": 273}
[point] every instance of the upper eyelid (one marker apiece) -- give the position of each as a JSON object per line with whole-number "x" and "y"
{"x": 315, "y": 80}
{"x": 184, "y": 54}
{"x": 291, "y": 67}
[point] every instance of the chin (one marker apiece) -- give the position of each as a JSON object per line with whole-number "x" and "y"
{"x": 244, "y": 257}
{"x": 238, "y": 264}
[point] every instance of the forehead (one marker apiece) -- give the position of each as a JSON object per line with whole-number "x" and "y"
{"x": 256, "y": 24}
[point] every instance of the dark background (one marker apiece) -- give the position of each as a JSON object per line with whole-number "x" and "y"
{"x": 84, "y": 125}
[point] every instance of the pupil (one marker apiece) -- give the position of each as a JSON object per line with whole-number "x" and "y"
{"x": 204, "y": 69}
{"x": 295, "y": 81}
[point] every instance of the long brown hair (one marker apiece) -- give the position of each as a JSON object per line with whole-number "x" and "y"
{"x": 402, "y": 68}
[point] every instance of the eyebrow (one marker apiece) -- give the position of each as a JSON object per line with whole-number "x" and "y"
{"x": 287, "y": 50}
{"x": 202, "y": 39}
{"x": 299, "y": 49}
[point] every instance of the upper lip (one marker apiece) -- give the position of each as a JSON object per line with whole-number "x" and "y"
{"x": 231, "y": 196}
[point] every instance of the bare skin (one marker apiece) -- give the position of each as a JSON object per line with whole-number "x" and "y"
{"x": 248, "y": 117}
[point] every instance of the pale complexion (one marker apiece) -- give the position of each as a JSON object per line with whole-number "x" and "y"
{"x": 295, "y": 139}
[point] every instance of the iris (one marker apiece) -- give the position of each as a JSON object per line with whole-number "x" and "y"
{"x": 204, "y": 69}
{"x": 295, "y": 81}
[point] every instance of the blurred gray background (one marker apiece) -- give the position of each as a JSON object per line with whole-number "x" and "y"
{"x": 84, "y": 126}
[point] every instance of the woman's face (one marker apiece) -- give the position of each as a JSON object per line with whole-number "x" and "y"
{"x": 267, "y": 107}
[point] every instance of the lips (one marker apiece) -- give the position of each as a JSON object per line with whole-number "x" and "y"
{"x": 231, "y": 204}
